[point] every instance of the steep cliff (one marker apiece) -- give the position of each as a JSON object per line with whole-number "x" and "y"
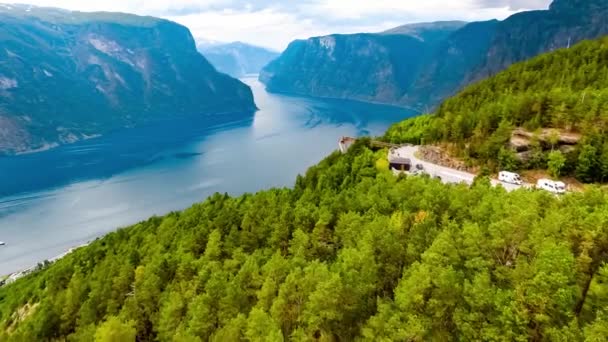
{"x": 367, "y": 67}
{"x": 445, "y": 70}
{"x": 67, "y": 75}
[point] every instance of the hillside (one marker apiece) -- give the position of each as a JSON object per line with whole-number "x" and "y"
{"x": 549, "y": 112}
{"x": 65, "y": 76}
{"x": 528, "y": 34}
{"x": 452, "y": 56}
{"x": 350, "y": 252}
{"x": 365, "y": 67}
{"x": 237, "y": 59}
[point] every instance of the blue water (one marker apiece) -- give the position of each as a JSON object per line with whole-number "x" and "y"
{"x": 53, "y": 200}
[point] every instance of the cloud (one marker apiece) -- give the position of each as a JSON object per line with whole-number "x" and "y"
{"x": 515, "y": 5}
{"x": 274, "y": 23}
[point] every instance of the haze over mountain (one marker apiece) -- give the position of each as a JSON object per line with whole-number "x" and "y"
{"x": 411, "y": 72}
{"x": 237, "y": 59}
{"x": 67, "y": 75}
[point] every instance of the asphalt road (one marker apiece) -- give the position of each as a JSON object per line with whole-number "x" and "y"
{"x": 447, "y": 175}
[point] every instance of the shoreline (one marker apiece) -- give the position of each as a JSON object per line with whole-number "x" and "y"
{"x": 12, "y": 277}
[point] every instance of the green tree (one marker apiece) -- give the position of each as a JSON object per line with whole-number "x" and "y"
{"x": 603, "y": 162}
{"x": 587, "y": 163}
{"x": 507, "y": 160}
{"x": 262, "y": 328}
{"x": 114, "y": 330}
{"x": 556, "y": 163}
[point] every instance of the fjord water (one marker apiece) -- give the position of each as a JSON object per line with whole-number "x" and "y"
{"x": 61, "y": 198}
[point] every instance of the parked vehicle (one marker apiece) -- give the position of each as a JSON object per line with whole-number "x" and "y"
{"x": 509, "y": 177}
{"x": 551, "y": 186}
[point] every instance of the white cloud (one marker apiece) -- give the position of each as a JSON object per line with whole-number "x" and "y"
{"x": 275, "y": 23}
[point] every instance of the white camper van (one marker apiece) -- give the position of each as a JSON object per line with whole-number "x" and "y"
{"x": 509, "y": 177}
{"x": 551, "y": 186}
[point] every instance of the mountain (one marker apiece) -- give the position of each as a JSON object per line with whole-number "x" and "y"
{"x": 237, "y": 59}
{"x": 549, "y": 112}
{"x": 528, "y": 34}
{"x": 67, "y": 75}
{"x": 367, "y": 67}
{"x": 456, "y": 56}
{"x": 350, "y": 253}
{"x": 428, "y": 32}
{"x": 450, "y": 64}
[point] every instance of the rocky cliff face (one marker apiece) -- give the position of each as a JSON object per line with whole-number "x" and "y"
{"x": 238, "y": 59}
{"x": 66, "y": 75}
{"x": 431, "y": 69}
{"x": 368, "y": 67}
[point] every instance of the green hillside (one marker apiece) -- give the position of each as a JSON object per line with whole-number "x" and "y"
{"x": 559, "y": 99}
{"x": 350, "y": 253}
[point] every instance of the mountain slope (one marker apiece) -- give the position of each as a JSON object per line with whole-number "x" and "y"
{"x": 368, "y": 67}
{"x": 362, "y": 67}
{"x": 528, "y": 34}
{"x": 238, "y": 59}
{"x": 528, "y": 115}
{"x": 351, "y": 252}
{"x": 467, "y": 54}
{"x": 68, "y": 75}
{"x": 445, "y": 70}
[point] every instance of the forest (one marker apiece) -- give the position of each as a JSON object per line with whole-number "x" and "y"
{"x": 565, "y": 91}
{"x": 349, "y": 253}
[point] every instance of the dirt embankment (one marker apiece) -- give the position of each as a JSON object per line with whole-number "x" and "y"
{"x": 439, "y": 156}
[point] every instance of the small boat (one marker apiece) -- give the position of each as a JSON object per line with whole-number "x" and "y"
{"x": 2, "y": 243}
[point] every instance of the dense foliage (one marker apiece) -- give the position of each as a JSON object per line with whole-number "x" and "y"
{"x": 566, "y": 90}
{"x": 351, "y": 252}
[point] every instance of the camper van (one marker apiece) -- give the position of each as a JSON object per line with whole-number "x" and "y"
{"x": 509, "y": 177}
{"x": 551, "y": 186}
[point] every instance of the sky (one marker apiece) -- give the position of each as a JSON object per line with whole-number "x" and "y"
{"x": 274, "y": 23}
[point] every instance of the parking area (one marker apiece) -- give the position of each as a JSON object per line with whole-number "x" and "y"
{"x": 446, "y": 174}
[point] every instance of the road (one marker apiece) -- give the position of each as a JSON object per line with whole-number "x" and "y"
{"x": 448, "y": 175}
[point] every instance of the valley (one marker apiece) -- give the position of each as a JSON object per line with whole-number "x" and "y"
{"x": 200, "y": 218}
{"x": 92, "y": 187}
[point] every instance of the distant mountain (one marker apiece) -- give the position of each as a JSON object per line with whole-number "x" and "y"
{"x": 451, "y": 63}
{"x": 67, "y": 75}
{"x": 368, "y": 67}
{"x": 428, "y": 32}
{"x": 237, "y": 59}
{"x": 448, "y": 55}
